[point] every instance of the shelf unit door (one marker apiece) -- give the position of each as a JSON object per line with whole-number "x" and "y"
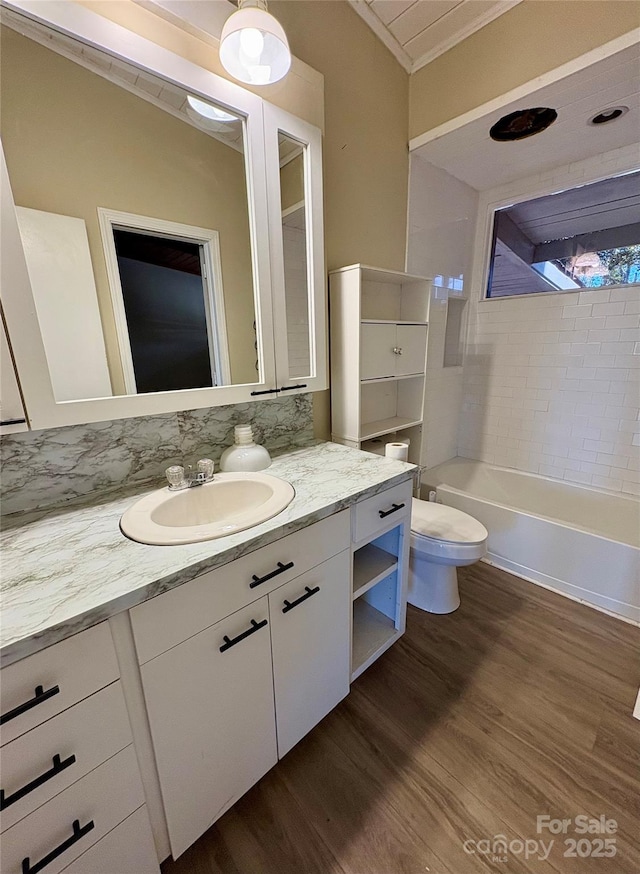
{"x": 212, "y": 721}
{"x": 310, "y": 644}
{"x": 412, "y": 340}
{"x": 377, "y": 358}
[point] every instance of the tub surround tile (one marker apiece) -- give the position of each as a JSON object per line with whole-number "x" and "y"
{"x": 43, "y": 469}
{"x": 65, "y": 570}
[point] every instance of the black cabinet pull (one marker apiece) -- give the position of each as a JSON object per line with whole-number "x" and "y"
{"x": 39, "y": 696}
{"x": 308, "y": 593}
{"x": 281, "y": 568}
{"x": 394, "y": 508}
{"x": 291, "y": 387}
{"x": 267, "y": 391}
{"x": 78, "y": 832}
{"x": 12, "y": 421}
{"x": 255, "y": 626}
{"x": 58, "y": 766}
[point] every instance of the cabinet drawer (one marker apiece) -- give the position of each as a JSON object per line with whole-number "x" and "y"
{"x": 38, "y": 687}
{"x": 81, "y": 738}
{"x": 104, "y": 797}
{"x": 128, "y": 849}
{"x": 310, "y": 645}
{"x": 189, "y": 609}
{"x": 372, "y": 516}
{"x": 212, "y": 720}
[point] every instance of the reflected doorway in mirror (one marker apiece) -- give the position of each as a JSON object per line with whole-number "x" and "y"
{"x": 165, "y": 281}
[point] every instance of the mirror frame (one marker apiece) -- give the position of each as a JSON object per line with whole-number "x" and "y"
{"x": 43, "y": 411}
{"x": 278, "y": 121}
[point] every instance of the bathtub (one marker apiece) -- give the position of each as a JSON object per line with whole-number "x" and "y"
{"x": 578, "y": 541}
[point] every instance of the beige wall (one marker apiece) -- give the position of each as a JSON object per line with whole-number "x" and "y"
{"x": 366, "y": 162}
{"x": 534, "y": 37}
{"x": 108, "y": 148}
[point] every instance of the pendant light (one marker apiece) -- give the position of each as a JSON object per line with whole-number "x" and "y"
{"x": 253, "y": 45}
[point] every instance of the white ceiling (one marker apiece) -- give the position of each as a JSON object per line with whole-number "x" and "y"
{"x": 469, "y": 154}
{"x": 417, "y": 31}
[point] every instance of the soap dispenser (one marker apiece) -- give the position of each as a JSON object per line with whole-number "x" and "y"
{"x": 244, "y": 454}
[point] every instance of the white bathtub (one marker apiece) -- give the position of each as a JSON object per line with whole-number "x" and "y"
{"x": 578, "y": 541}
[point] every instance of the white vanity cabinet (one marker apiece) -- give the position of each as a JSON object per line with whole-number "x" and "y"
{"x": 70, "y": 776}
{"x": 310, "y": 646}
{"x": 211, "y": 712}
{"x": 263, "y": 655}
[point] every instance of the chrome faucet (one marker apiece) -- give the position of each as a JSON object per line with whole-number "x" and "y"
{"x": 181, "y": 478}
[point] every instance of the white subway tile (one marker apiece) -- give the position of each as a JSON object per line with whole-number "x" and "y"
{"x": 609, "y": 309}
{"x": 605, "y": 335}
{"x": 607, "y": 482}
{"x": 582, "y": 455}
{"x": 632, "y": 321}
{"x": 594, "y": 297}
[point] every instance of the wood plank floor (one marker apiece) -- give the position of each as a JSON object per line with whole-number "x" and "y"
{"x": 517, "y": 705}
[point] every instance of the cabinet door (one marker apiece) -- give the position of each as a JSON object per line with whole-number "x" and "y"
{"x": 212, "y": 720}
{"x": 310, "y": 644}
{"x": 411, "y": 342}
{"x": 377, "y": 358}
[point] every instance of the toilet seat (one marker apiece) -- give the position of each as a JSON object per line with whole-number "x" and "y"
{"x": 440, "y": 523}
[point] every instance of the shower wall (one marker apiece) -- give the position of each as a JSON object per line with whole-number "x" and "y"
{"x": 442, "y": 216}
{"x": 551, "y": 381}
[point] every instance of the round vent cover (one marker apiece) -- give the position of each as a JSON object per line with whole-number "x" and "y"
{"x": 522, "y": 123}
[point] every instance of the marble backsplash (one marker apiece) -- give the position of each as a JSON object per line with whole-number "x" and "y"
{"x": 43, "y": 469}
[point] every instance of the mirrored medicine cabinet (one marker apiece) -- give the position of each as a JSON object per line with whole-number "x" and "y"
{"x": 161, "y": 228}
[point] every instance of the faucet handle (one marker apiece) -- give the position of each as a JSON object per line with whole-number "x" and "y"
{"x": 205, "y": 466}
{"x": 175, "y": 476}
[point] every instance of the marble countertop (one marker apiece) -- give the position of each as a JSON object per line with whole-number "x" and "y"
{"x": 64, "y": 570}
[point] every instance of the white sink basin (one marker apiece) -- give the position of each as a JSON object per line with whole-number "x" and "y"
{"x": 231, "y": 503}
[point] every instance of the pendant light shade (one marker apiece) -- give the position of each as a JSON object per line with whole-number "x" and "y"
{"x": 253, "y": 45}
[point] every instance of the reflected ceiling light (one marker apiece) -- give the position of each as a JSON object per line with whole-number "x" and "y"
{"x": 208, "y": 110}
{"x": 253, "y": 45}
{"x": 207, "y": 116}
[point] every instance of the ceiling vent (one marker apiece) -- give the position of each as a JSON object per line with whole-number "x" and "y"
{"x": 611, "y": 113}
{"x": 522, "y": 123}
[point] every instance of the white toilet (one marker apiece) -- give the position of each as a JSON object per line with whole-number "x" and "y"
{"x": 442, "y": 538}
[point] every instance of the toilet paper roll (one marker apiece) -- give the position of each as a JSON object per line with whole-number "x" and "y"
{"x": 399, "y": 451}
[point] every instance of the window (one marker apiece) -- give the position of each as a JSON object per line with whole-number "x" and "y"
{"x": 586, "y": 237}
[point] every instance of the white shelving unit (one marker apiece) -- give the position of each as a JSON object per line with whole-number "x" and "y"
{"x": 379, "y": 323}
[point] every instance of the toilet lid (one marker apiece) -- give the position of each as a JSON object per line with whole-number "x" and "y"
{"x": 445, "y": 523}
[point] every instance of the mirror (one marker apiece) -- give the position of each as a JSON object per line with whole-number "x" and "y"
{"x": 292, "y": 156}
{"x": 133, "y": 208}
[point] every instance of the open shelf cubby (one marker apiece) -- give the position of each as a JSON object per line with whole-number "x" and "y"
{"x": 371, "y": 565}
{"x": 394, "y": 297}
{"x": 390, "y": 406}
{"x": 411, "y": 434}
{"x": 373, "y": 631}
{"x": 378, "y": 612}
